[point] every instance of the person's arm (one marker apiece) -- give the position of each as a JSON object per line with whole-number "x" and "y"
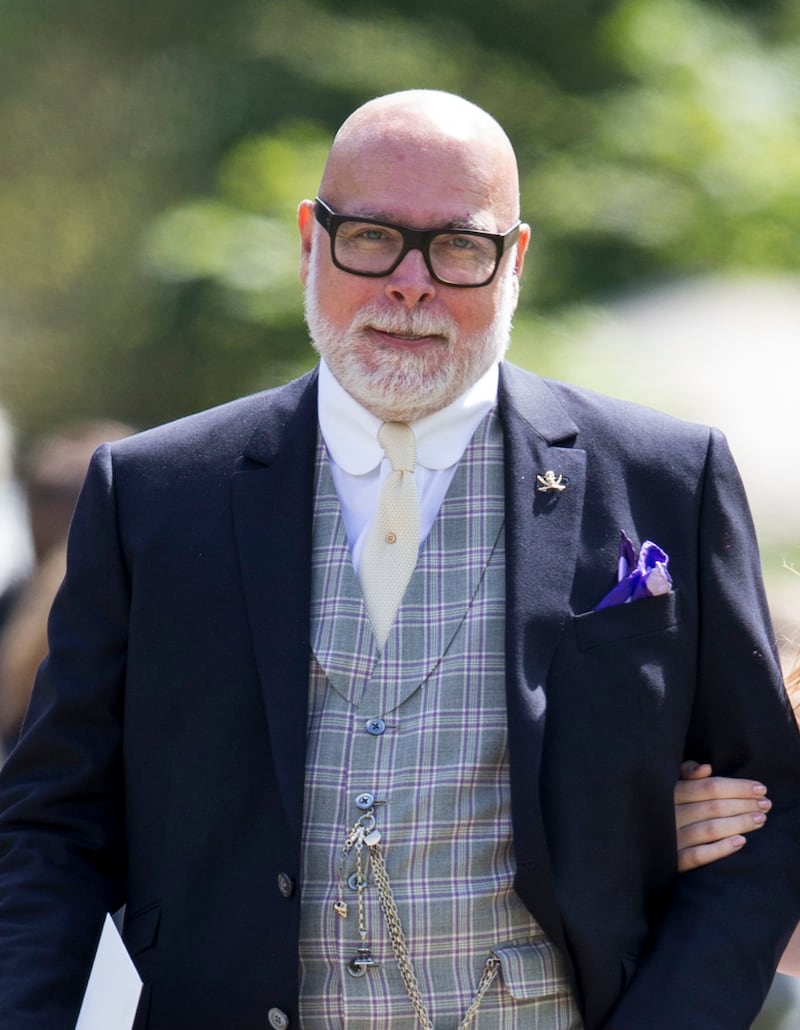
{"x": 712, "y": 814}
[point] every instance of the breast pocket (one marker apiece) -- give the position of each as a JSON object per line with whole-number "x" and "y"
{"x": 619, "y": 673}
{"x": 624, "y": 621}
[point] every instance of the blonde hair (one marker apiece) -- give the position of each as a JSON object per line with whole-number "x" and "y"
{"x": 793, "y": 690}
{"x": 793, "y": 678}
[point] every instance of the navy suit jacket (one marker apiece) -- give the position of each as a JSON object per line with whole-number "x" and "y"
{"x": 163, "y": 757}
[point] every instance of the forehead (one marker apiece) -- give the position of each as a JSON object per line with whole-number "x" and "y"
{"x": 418, "y": 184}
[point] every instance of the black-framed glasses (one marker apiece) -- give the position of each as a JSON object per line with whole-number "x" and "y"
{"x": 455, "y": 257}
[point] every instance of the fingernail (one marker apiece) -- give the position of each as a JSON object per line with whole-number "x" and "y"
{"x": 737, "y": 842}
{"x": 765, "y": 805}
{"x": 759, "y": 818}
{"x": 759, "y": 789}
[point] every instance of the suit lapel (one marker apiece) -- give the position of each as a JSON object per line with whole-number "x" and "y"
{"x": 272, "y": 508}
{"x": 542, "y": 534}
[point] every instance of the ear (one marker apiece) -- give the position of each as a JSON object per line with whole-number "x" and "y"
{"x": 305, "y": 223}
{"x": 522, "y": 247}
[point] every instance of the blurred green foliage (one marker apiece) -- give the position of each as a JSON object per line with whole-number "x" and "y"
{"x": 153, "y": 154}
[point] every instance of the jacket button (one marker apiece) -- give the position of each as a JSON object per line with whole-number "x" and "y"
{"x": 278, "y": 1019}
{"x": 286, "y": 887}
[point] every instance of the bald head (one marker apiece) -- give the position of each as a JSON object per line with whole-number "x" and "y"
{"x": 418, "y": 133}
{"x": 405, "y": 343}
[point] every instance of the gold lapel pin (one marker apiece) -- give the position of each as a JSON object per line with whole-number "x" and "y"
{"x": 551, "y": 482}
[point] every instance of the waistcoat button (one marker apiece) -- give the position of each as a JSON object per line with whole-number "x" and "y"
{"x": 375, "y": 726}
{"x": 365, "y": 801}
{"x": 285, "y": 885}
{"x": 278, "y": 1019}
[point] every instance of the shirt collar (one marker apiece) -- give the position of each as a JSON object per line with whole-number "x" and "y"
{"x": 350, "y": 431}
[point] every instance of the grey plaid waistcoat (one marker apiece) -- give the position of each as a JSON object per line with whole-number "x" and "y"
{"x": 423, "y": 729}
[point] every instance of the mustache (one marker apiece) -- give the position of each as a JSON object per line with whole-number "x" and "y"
{"x": 406, "y": 323}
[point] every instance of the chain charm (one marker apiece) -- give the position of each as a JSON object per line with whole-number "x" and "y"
{"x": 362, "y": 832}
{"x": 365, "y": 835}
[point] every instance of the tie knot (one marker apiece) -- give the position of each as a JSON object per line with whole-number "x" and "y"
{"x": 397, "y": 440}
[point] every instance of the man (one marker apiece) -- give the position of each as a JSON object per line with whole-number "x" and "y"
{"x": 324, "y": 812}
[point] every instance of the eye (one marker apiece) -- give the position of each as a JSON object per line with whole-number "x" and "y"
{"x": 462, "y": 247}
{"x": 371, "y": 233}
{"x": 460, "y": 242}
{"x": 365, "y": 234}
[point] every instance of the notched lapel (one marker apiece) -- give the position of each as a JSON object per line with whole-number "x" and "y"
{"x": 542, "y": 526}
{"x": 542, "y": 535}
{"x": 272, "y": 509}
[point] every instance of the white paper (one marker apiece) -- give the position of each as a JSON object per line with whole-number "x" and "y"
{"x": 112, "y": 994}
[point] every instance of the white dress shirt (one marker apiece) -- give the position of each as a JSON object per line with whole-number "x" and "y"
{"x": 358, "y": 464}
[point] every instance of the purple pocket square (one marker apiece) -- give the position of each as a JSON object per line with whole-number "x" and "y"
{"x": 647, "y": 576}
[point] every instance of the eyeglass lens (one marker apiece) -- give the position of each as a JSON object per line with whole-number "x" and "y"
{"x": 456, "y": 257}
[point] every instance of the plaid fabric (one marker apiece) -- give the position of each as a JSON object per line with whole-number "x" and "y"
{"x": 440, "y": 771}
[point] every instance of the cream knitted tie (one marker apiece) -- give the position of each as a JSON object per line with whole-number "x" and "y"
{"x": 392, "y": 542}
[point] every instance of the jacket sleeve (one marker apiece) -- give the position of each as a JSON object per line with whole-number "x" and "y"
{"x": 713, "y": 957}
{"x": 61, "y": 797}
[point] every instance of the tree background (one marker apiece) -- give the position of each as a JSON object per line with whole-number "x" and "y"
{"x": 152, "y": 154}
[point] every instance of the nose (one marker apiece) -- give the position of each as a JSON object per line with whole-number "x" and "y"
{"x": 410, "y": 283}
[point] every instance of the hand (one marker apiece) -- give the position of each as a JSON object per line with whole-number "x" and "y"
{"x": 712, "y": 814}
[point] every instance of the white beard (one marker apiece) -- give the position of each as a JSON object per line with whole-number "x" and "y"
{"x": 403, "y": 385}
